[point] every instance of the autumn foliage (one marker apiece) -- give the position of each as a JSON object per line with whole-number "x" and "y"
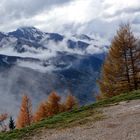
{"x": 25, "y": 114}
{"x": 41, "y": 112}
{"x": 70, "y": 102}
{"x": 54, "y": 106}
{"x": 3, "y": 117}
{"x": 120, "y": 72}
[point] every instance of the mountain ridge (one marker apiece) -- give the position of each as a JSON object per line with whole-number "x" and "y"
{"x": 36, "y": 63}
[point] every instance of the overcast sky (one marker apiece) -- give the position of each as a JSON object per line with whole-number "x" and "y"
{"x": 70, "y": 16}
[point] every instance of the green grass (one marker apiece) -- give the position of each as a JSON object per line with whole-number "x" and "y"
{"x": 79, "y": 116}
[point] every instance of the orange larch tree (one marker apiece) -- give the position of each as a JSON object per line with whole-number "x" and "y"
{"x": 70, "y": 102}
{"x": 25, "y": 114}
{"x": 120, "y": 72}
{"x": 62, "y": 107}
{"x": 53, "y": 104}
{"x": 3, "y": 117}
{"x": 49, "y": 108}
{"x": 41, "y": 112}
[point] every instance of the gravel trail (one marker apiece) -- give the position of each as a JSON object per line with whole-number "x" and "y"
{"x": 122, "y": 122}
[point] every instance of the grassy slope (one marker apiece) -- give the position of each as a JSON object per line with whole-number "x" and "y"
{"x": 68, "y": 119}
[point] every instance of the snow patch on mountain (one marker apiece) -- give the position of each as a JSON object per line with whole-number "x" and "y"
{"x": 29, "y": 42}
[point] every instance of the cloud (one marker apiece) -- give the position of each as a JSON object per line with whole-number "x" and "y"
{"x": 17, "y": 81}
{"x": 70, "y": 16}
{"x": 52, "y": 48}
{"x": 18, "y": 11}
{"x": 27, "y": 8}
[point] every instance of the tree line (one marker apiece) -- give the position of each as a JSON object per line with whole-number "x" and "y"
{"x": 52, "y": 106}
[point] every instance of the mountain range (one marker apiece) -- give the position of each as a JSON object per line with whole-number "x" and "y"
{"x": 35, "y": 63}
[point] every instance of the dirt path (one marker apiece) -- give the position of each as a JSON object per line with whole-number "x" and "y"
{"x": 122, "y": 122}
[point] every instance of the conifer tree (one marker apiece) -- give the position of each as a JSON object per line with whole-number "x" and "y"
{"x": 53, "y": 104}
{"x": 25, "y": 114}
{"x": 11, "y": 123}
{"x": 62, "y": 107}
{"x": 3, "y": 117}
{"x": 121, "y": 68}
{"x": 70, "y": 102}
{"x": 49, "y": 108}
{"x": 41, "y": 112}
